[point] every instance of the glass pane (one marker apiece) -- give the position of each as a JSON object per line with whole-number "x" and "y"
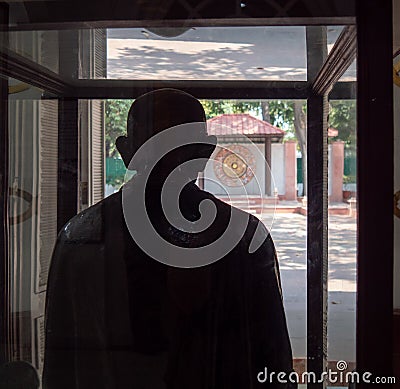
{"x": 333, "y": 33}
{"x": 198, "y": 53}
{"x": 33, "y": 129}
{"x": 38, "y": 47}
{"x": 222, "y": 53}
{"x": 273, "y": 187}
{"x": 342, "y": 251}
{"x": 396, "y": 101}
{"x": 107, "y": 320}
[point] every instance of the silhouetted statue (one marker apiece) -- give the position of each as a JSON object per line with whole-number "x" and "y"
{"x": 18, "y": 375}
{"x": 126, "y": 311}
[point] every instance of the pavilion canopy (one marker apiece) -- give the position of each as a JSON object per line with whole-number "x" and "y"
{"x": 242, "y": 124}
{"x": 245, "y": 124}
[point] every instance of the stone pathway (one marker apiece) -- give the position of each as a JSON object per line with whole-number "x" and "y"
{"x": 289, "y": 234}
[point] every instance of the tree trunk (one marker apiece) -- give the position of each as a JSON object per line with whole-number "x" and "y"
{"x": 300, "y": 127}
{"x": 265, "y": 111}
{"x": 267, "y": 118}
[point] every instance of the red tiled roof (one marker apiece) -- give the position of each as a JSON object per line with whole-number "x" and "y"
{"x": 242, "y": 124}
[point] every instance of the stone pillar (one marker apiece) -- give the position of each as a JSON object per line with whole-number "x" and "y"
{"x": 268, "y": 168}
{"x": 337, "y": 169}
{"x": 290, "y": 171}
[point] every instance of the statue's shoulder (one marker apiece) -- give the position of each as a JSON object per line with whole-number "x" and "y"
{"x": 225, "y": 207}
{"x": 255, "y": 228}
{"x": 88, "y": 225}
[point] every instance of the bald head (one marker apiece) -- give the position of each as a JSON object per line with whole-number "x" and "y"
{"x": 158, "y": 110}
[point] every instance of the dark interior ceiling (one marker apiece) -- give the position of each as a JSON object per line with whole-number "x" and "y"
{"x": 29, "y": 14}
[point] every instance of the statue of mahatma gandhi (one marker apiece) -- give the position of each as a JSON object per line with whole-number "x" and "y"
{"x": 118, "y": 318}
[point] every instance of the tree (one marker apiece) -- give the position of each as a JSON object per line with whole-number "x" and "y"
{"x": 277, "y": 112}
{"x": 300, "y": 127}
{"x": 281, "y": 114}
{"x": 342, "y": 116}
{"x": 289, "y": 115}
{"x": 115, "y": 123}
{"x": 219, "y": 107}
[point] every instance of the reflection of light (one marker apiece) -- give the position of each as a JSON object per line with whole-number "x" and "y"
{"x": 134, "y": 58}
{"x": 173, "y": 46}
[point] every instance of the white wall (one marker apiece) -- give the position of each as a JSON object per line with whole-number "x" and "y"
{"x": 278, "y": 167}
{"x": 350, "y": 186}
{"x": 213, "y": 185}
{"x": 396, "y": 94}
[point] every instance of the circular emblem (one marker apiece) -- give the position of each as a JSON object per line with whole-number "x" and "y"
{"x": 234, "y": 165}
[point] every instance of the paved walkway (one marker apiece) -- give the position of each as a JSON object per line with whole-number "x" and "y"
{"x": 289, "y": 234}
{"x": 209, "y": 53}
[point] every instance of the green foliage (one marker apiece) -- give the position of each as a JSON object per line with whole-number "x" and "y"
{"x": 115, "y": 122}
{"x": 218, "y": 107}
{"x": 349, "y": 179}
{"x": 280, "y": 113}
{"x": 342, "y": 116}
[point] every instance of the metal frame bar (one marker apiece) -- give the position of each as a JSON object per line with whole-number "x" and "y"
{"x": 324, "y": 71}
{"x": 178, "y": 13}
{"x": 16, "y": 66}
{"x": 68, "y": 135}
{"x": 344, "y": 91}
{"x": 375, "y": 209}
{"x": 226, "y": 22}
{"x": 210, "y": 89}
{"x": 339, "y": 59}
{"x": 317, "y": 236}
{"x": 317, "y": 208}
{"x": 68, "y": 161}
{"x": 4, "y": 268}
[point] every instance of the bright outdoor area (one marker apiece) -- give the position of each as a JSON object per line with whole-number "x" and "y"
{"x": 283, "y": 205}
{"x": 268, "y": 139}
{"x": 259, "y": 164}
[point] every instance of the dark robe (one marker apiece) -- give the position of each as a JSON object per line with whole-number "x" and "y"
{"x": 116, "y": 318}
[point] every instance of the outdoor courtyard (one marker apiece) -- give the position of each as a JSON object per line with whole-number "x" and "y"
{"x": 289, "y": 232}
